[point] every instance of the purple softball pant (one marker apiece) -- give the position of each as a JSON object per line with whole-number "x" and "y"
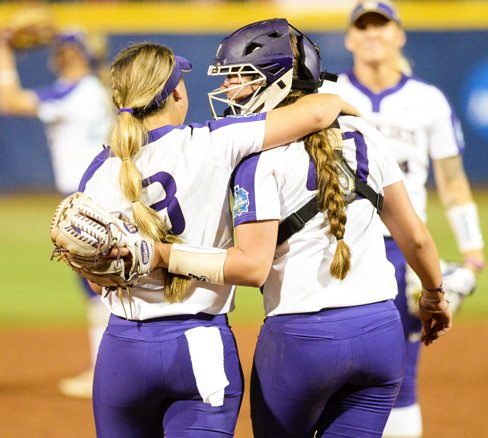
{"x": 144, "y": 384}
{"x": 336, "y": 372}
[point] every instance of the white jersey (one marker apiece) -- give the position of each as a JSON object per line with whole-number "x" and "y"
{"x": 78, "y": 120}
{"x": 417, "y": 120}
{"x": 276, "y": 183}
{"x": 186, "y": 174}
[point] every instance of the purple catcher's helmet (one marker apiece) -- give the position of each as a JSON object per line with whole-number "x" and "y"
{"x": 262, "y": 51}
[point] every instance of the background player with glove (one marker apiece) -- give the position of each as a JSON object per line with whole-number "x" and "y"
{"x": 76, "y": 112}
{"x": 420, "y": 126}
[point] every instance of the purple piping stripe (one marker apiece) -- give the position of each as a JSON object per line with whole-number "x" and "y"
{"x": 312, "y": 176}
{"x": 93, "y": 167}
{"x": 362, "y": 170}
{"x": 244, "y": 177}
{"x": 212, "y": 125}
{"x": 157, "y": 133}
{"x": 55, "y": 91}
{"x": 458, "y": 133}
{"x": 376, "y": 98}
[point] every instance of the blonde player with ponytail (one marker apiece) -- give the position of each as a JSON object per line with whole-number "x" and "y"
{"x": 330, "y": 356}
{"x": 168, "y": 363}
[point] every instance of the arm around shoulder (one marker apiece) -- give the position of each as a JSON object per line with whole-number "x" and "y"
{"x": 308, "y": 114}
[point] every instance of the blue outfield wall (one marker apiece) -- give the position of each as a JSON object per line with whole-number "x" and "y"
{"x": 455, "y": 61}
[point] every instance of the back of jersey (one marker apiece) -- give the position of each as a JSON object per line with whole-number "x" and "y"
{"x": 186, "y": 173}
{"x": 279, "y": 182}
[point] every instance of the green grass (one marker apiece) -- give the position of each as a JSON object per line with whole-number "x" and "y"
{"x": 36, "y": 291}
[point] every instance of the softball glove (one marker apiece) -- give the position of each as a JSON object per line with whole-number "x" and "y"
{"x": 84, "y": 237}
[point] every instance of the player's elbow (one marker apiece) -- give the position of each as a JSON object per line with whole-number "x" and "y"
{"x": 322, "y": 115}
{"x": 255, "y": 276}
{"x": 420, "y": 241}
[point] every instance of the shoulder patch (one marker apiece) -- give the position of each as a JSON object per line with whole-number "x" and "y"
{"x": 241, "y": 201}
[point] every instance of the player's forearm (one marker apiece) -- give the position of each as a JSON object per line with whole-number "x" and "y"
{"x": 9, "y": 79}
{"x": 14, "y": 100}
{"x": 456, "y": 196}
{"x": 308, "y": 114}
{"x": 245, "y": 269}
{"x": 451, "y": 181}
{"x": 421, "y": 254}
{"x": 218, "y": 266}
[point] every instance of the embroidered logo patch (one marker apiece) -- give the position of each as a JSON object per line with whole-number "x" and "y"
{"x": 241, "y": 201}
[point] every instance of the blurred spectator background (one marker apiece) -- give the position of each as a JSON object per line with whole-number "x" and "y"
{"x": 447, "y": 45}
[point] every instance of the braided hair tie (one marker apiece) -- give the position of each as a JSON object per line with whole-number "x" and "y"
{"x": 126, "y": 110}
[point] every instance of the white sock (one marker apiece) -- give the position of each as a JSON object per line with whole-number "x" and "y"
{"x": 404, "y": 422}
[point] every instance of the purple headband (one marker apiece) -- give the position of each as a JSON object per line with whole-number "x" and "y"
{"x": 385, "y": 9}
{"x": 181, "y": 65}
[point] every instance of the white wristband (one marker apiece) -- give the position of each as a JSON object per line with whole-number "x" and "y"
{"x": 465, "y": 224}
{"x": 198, "y": 262}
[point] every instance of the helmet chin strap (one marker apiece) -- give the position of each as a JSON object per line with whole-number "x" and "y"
{"x": 310, "y": 85}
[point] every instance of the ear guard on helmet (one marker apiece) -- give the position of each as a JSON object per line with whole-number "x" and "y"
{"x": 261, "y": 54}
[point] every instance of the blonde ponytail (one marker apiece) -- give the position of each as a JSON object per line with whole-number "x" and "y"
{"x": 139, "y": 73}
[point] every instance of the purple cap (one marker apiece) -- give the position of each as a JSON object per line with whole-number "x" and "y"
{"x": 384, "y": 8}
{"x": 77, "y": 39}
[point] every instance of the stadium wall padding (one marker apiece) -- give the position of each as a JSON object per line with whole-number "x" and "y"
{"x": 456, "y": 60}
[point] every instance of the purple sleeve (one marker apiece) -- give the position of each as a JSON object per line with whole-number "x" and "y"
{"x": 243, "y": 189}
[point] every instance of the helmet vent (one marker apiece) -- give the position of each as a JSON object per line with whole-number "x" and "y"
{"x": 274, "y": 34}
{"x": 253, "y": 47}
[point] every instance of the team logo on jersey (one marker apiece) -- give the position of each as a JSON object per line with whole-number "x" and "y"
{"x": 241, "y": 201}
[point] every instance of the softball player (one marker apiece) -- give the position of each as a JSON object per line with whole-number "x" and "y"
{"x": 168, "y": 363}
{"x": 420, "y": 125}
{"x": 76, "y": 113}
{"x": 330, "y": 356}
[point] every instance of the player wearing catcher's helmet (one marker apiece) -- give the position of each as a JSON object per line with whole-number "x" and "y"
{"x": 330, "y": 356}
{"x": 76, "y": 113}
{"x": 420, "y": 126}
{"x": 168, "y": 363}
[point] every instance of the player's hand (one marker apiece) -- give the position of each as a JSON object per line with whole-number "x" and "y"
{"x": 435, "y": 316}
{"x": 349, "y": 110}
{"x": 160, "y": 260}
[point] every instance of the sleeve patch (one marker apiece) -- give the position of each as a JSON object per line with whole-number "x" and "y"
{"x": 241, "y": 201}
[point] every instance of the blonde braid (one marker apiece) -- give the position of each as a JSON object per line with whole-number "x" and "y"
{"x": 139, "y": 73}
{"x": 320, "y": 146}
{"x": 330, "y": 198}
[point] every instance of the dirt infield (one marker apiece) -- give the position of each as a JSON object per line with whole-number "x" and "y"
{"x": 453, "y": 392}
